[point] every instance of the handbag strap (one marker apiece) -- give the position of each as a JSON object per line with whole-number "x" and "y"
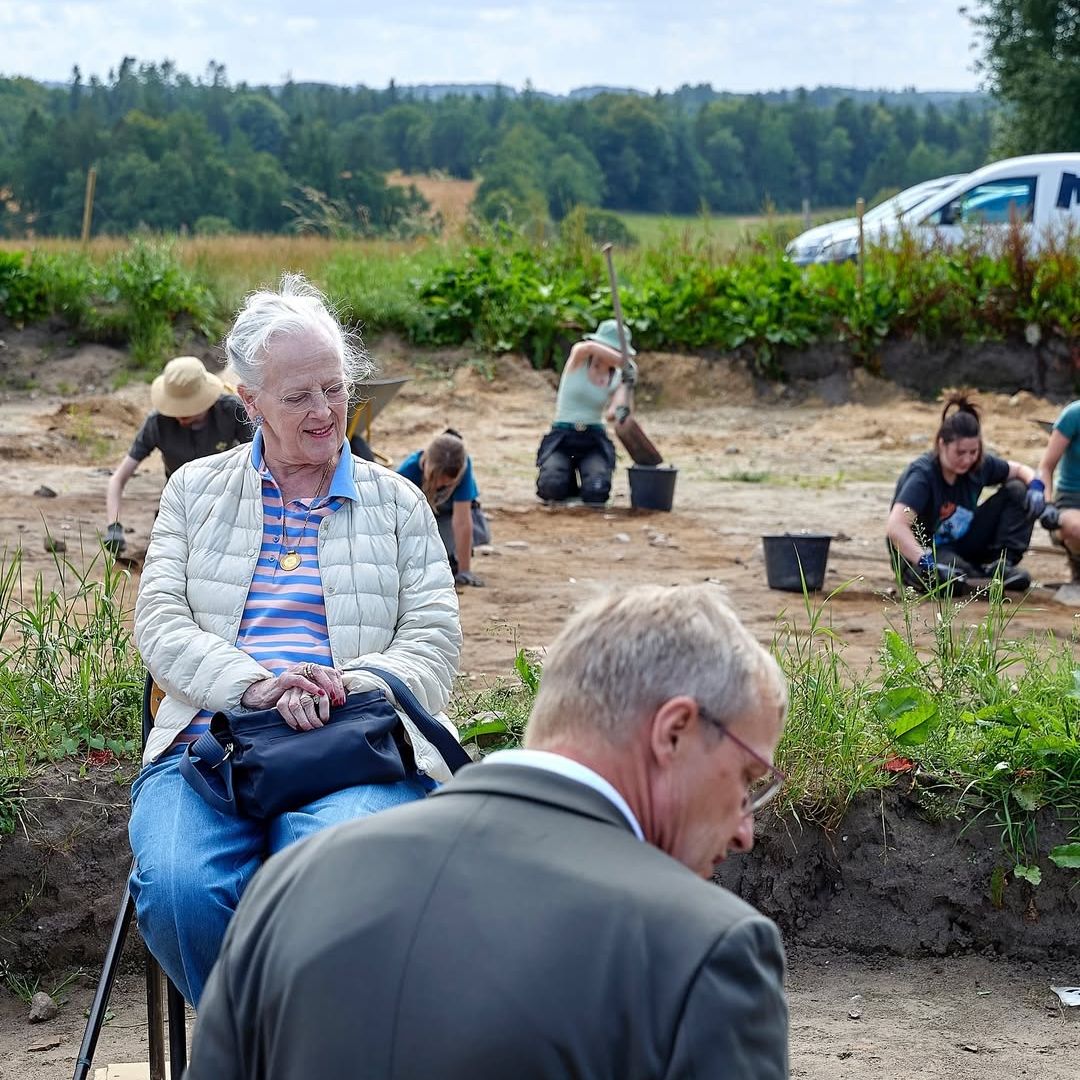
{"x": 215, "y": 760}
{"x": 450, "y": 750}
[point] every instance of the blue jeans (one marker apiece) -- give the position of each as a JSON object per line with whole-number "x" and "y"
{"x": 193, "y": 863}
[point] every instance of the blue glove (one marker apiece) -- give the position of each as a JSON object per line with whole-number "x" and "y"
{"x": 1035, "y": 499}
{"x": 467, "y": 577}
{"x": 114, "y": 541}
{"x": 937, "y": 573}
{"x": 1050, "y": 518}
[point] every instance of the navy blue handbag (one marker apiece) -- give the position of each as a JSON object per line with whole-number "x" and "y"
{"x": 252, "y": 764}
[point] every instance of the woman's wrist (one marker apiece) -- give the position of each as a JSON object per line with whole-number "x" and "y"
{"x": 254, "y": 696}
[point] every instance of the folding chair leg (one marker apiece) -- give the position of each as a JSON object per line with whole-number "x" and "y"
{"x": 177, "y": 1009}
{"x": 155, "y": 1018}
{"x": 98, "y": 1007}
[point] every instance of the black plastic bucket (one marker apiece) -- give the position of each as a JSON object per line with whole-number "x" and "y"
{"x": 785, "y": 554}
{"x": 652, "y": 487}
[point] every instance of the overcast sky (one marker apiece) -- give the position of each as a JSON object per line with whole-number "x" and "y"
{"x": 738, "y": 45}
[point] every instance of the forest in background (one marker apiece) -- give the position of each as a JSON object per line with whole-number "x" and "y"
{"x": 198, "y": 154}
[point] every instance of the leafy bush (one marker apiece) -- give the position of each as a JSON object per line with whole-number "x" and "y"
{"x": 510, "y": 289}
{"x": 146, "y": 290}
{"x": 507, "y": 293}
{"x": 23, "y": 298}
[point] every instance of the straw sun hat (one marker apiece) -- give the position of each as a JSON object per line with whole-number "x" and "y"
{"x": 185, "y": 388}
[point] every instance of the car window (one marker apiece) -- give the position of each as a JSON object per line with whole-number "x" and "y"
{"x": 904, "y": 201}
{"x": 993, "y": 202}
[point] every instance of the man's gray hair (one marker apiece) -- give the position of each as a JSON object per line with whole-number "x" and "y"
{"x": 296, "y": 308}
{"x": 622, "y": 656}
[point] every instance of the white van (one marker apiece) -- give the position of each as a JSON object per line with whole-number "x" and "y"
{"x": 838, "y": 240}
{"x": 1041, "y": 191}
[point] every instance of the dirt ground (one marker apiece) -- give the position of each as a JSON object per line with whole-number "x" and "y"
{"x": 749, "y": 464}
{"x": 851, "y": 1019}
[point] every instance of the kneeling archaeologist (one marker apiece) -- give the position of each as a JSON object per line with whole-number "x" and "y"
{"x": 547, "y": 913}
{"x": 938, "y": 531}
{"x": 194, "y": 416}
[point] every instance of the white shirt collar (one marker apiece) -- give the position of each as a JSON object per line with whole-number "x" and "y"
{"x": 572, "y": 770}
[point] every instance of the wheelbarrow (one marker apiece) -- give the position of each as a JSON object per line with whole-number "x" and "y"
{"x": 373, "y": 396}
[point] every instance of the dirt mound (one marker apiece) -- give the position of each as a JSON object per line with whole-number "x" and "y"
{"x": 891, "y": 878}
{"x": 43, "y": 357}
{"x": 673, "y": 381}
{"x": 112, "y": 417}
{"x": 62, "y": 874}
{"x": 894, "y": 878}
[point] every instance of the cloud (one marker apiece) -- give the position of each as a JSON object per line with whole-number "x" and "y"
{"x": 557, "y": 44}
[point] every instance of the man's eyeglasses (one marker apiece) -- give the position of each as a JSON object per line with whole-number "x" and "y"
{"x": 306, "y": 400}
{"x": 762, "y": 790}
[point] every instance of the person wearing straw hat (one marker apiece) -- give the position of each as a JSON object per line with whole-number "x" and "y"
{"x": 194, "y": 416}
{"x": 577, "y": 456}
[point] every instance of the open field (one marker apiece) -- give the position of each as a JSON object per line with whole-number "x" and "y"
{"x": 724, "y": 231}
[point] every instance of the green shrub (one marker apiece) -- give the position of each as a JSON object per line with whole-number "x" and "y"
{"x": 146, "y": 290}
{"x": 22, "y": 296}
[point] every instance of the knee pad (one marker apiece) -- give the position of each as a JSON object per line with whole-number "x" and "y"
{"x": 553, "y": 488}
{"x": 596, "y": 489}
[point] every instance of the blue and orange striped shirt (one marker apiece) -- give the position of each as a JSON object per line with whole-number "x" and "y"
{"x": 284, "y": 618}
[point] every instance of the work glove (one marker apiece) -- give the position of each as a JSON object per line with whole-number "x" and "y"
{"x": 1035, "y": 499}
{"x": 467, "y": 577}
{"x": 936, "y": 573}
{"x": 1050, "y": 518}
{"x": 114, "y": 541}
{"x": 629, "y": 374}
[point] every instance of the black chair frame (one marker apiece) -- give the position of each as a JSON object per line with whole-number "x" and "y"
{"x": 171, "y": 1009}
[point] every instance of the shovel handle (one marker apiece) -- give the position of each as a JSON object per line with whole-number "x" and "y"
{"x": 615, "y": 303}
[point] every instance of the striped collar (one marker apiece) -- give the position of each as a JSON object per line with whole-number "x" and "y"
{"x": 342, "y": 483}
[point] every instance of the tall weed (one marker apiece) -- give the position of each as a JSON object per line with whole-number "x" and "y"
{"x": 70, "y": 677}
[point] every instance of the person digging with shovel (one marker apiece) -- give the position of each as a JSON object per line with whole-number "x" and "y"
{"x": 577, "y": 456}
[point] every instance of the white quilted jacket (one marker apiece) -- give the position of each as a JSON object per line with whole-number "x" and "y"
{"x": 389, "y": 594}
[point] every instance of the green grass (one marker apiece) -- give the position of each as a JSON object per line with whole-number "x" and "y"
{"x": 723, "y": 231}
{"x": 70, "y": 678}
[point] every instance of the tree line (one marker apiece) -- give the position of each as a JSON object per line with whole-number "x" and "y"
{"x": 176, "y": 152}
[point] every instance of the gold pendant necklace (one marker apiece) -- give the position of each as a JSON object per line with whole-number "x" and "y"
{"x": 290, "y": 559}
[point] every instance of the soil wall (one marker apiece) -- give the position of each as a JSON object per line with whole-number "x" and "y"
{"x": 888, "y": 880}
{"x": 1050, "y": 368}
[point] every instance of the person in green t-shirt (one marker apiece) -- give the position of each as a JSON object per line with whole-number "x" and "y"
{"x": 1062, "y": 514}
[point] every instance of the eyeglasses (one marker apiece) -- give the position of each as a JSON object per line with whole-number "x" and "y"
{"x": 306, "y": 400}
{"x": 762, "y": 790}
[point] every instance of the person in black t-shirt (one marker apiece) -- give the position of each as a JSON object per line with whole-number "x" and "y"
{"x": 939, "y": 532}
{"x": 194, "y": 416}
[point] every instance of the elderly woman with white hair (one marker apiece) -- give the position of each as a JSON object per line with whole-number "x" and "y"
{"x": 275, "y": 572}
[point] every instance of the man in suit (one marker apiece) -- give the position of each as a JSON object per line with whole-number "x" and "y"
{"x": 543, "y": 915}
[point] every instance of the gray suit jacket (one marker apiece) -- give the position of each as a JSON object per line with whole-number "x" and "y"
{"x": 510, "y": 927}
